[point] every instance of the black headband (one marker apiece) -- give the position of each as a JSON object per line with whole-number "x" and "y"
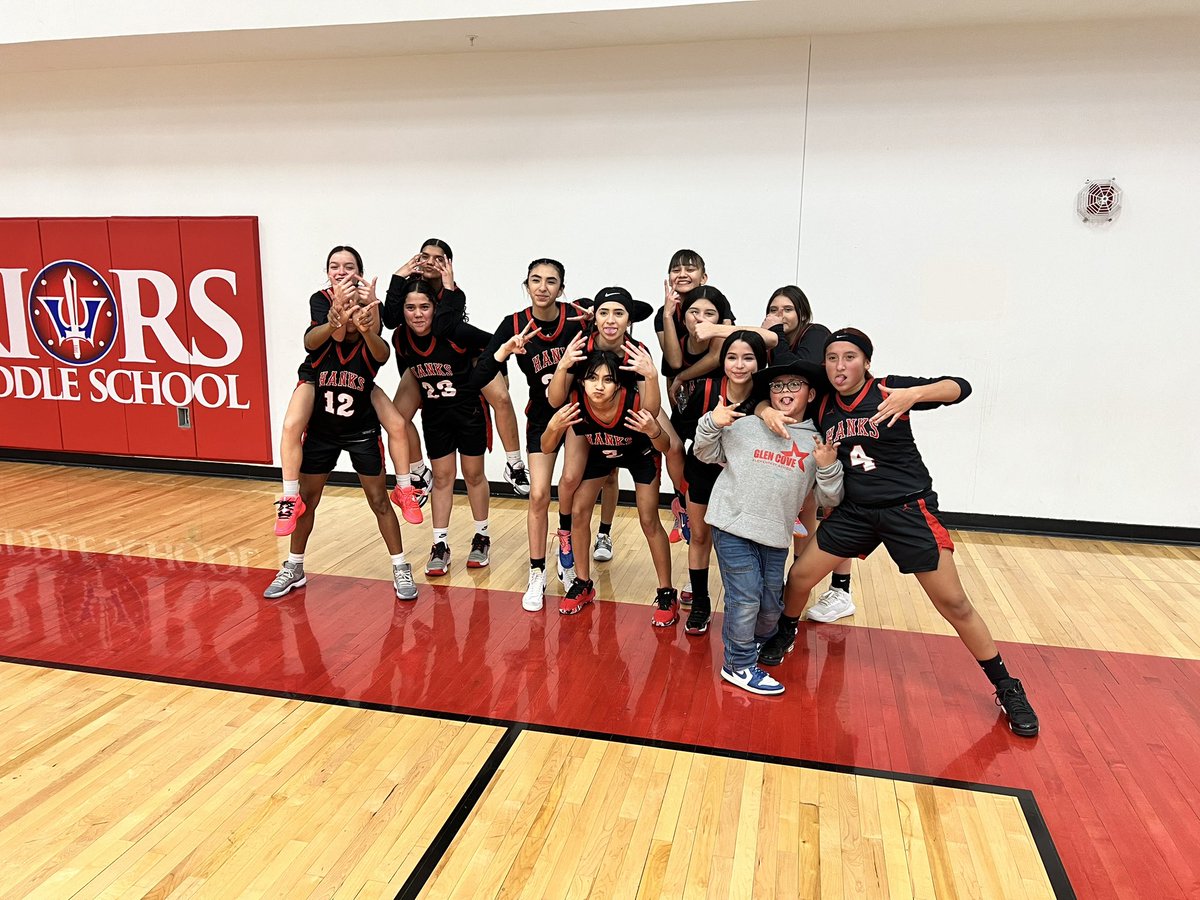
{"x": 861, "y": 341}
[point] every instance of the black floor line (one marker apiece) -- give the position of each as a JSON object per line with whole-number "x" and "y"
{"x": 417, "y": 879}
{"x": 1051, "y": 861}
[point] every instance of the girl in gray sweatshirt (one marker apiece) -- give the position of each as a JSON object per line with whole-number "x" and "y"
{"x": 754, "y": 503}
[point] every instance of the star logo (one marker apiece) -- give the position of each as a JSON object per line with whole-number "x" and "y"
{"x": 73, "y": 312}
{"x": 800, "y": 455}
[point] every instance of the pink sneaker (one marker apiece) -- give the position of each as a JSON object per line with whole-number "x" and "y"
{"x": 290, "y": 510}
{"x": 677, "y": 510}
{"x": 406, "y": 498}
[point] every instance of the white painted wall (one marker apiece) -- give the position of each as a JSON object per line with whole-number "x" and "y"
{"x": 940, "y": 178}
{"x": 939, "y": 173}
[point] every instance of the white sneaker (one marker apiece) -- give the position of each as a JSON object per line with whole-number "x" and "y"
{"x": 289, "y": 577}
{"x": 518, "y": 477}
{"x": 602, "y": 551}
{"x": 535, "y": 594}
{"x": 566, "y": 576}
{"x": 402, "y": 581}
{"x": 832, "y": 605}
{"x": 753, "y": 679}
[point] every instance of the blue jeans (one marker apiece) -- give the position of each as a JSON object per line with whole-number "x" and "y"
{"x": 753, "y": 577}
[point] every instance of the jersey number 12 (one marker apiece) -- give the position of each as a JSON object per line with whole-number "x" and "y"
{"x": 344, "y": 407}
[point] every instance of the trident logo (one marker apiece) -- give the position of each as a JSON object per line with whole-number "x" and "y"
{"x": 67, "y": 314}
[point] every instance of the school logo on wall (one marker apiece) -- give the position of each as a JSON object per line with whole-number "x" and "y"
{"x": 73, "y": 312}
{"x": 139, "y": 336}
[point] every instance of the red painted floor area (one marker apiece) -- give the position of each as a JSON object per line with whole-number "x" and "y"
{"x": 1116, "y": 770}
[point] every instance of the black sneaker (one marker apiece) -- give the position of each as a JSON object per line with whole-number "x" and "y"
{"x": 774, "y": 650}
{"x": 697, "y": 620}
{"x": 1010, "y": 697}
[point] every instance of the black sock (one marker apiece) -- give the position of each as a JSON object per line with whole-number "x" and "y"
{"x": 840, "y": 581}
{"x": 564, "y": 522}
{"x": 605, "y": 527}
{"x": 699, "y": 580}
{"x": 539, "y": 563}
{"x": 994, "y": 669}
{"x": 792, "y": 623}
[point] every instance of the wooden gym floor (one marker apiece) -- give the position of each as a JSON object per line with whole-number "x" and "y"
{"x": 166, "y": 732}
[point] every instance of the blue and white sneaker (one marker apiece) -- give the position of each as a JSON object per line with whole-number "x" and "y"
{"x": 566, "y": 555}
{"x": 753, "y": 679}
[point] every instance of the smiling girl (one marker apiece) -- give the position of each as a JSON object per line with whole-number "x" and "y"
{"x": 342, "y": 264}
{"x": 890, "y": 500}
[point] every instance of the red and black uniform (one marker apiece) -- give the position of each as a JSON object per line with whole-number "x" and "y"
{"x": 318, "y": 314}
{"x": 889, "y": 493}
{"x": 453, "y": 417}
{"x": 684, "y": 391}
{"x": 614, "y": 445}
{"x": 343, "y": 417}
{"x": 808, "y": 344}
{"x": 538, "y": 362}
{"x": 701, "y": 476}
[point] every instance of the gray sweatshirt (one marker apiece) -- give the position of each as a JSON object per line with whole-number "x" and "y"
{"x": 766, "y": 478}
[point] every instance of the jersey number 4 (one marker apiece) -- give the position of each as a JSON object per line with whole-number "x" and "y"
{"x": 345, "y": 405}
{"x": 858, "y": 457}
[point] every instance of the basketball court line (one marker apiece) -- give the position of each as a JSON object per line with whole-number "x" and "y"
{"x": 1118, "y": 806}
{"x": 425, "y": 867}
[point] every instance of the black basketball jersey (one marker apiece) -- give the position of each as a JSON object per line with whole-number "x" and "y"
{"x": 882, "y": 465}
{"x": 441, "y": 365}
{"x": 684, "y": 390}
{"x": 344, "y": 378}
{"x": 808, "y": 344}
{"x": 541, "y": 356}
{"x": 706, "y": 394}
{"x": 611, "y": 437}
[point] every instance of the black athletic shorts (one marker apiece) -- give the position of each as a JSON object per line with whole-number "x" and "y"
{"x": 910, "y": 531}
{"x": 701, "y": 477}
{"x": 462, "y": 428}
{"x": 536, "y": 422}
{"x": 305, "y": 374}
{"x": 645, "y": 468}
{"x": 321, "y": 452}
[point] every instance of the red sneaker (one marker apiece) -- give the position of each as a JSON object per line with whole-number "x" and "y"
{"x": 666, "y": 608}
{"x": 580, "y": 595}
{"x": 290, "y": 509}
{"x": 406, "y": 498}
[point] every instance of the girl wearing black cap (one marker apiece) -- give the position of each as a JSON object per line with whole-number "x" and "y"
{"x": 890, "y": 500}
{"x": 614, "y": 310}
{"x": 754, "y": 501}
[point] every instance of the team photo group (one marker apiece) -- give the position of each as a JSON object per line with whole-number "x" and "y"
{"x": 759, "y": 427}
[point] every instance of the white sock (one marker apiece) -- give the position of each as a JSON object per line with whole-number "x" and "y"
{"x": 296, "y": 559}
{"x": 514, "y": 459}
{"x": 398, "y": 559}
{"x": 291, "y": 488}
{"x": 481, "y": 527}
{"x": 418, "y": 467}
{"x": 404, "y": 480}
{"x": 441, "y": 536}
